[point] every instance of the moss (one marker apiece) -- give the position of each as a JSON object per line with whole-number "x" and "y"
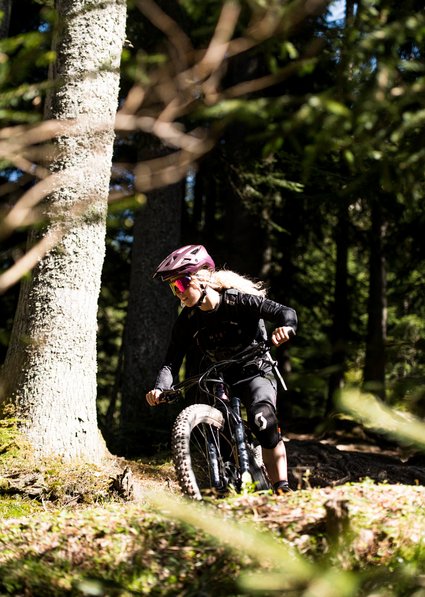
{"x": 10, "y": 440}
{"x": 24, "y": 475}
{"x": 80, "y": 483}
{"x": 18, "y": 507}
{"x": 125, "y": 549}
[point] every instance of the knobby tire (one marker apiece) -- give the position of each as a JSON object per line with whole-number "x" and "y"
{"x": 193, "y": 463}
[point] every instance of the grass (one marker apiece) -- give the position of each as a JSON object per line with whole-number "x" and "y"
{"x": 17, "y": 507}
{"x": 152, "y": 547}
{"x": 79, "y": 538}
{"x": 112, "y": 547}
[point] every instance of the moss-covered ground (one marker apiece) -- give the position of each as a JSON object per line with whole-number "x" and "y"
{"x": 78, "y": 536}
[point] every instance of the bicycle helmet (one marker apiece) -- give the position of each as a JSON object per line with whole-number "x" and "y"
{"x": 184, "y": 261}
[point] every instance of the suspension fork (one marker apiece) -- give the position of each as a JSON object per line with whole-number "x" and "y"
{"x": 214, "y": 456}
{"x": 240, "y": 440}
{"x": 216, "y": 480}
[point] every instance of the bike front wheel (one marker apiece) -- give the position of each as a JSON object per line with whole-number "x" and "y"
{"x": 203, "y": 456}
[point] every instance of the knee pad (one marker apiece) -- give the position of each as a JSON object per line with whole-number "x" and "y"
{"x": 263, "y": 422}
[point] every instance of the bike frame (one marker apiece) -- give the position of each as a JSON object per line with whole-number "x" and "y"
{"x": 237, "y": 429}
{"x": 230, "y": 406}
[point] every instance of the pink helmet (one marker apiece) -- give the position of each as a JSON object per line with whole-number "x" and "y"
{"x": 187, "y": 260}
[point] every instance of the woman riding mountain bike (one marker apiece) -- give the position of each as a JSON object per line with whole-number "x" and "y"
{"x": 222, "y": 314}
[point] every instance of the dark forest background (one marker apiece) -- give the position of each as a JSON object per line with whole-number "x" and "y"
{"x": 314, "y": 184}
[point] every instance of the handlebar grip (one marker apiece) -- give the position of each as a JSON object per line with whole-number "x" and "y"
{"x": 168, "y": 396}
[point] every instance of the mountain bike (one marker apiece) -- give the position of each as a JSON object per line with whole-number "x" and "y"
{"x": 213, "y": 449}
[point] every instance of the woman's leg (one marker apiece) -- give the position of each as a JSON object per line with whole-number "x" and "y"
{"x": 276, "y": 462}
{"x": 259, "y": 396}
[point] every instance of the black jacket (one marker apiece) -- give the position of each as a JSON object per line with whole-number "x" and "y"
{"x": 237, "y": 322}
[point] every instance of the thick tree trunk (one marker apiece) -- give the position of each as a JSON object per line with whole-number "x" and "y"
{"x": 51, "y": 363}
{"x": 152, "y": 310}
{"x": 374, "y": 369}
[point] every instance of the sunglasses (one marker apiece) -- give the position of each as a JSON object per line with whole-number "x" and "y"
{"x": 181, "y": 284}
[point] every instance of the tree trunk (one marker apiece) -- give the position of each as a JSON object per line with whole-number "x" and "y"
{"x": 374, "y": 370}
{"x": 51, "y": 363}
{"x": 340, "y": 325}
{"x": 244, "y": 233}
{"x": 152, "y": 310}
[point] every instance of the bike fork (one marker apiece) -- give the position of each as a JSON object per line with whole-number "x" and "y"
{"x": 241, "y": 441}
{"x": 216, "y": 480}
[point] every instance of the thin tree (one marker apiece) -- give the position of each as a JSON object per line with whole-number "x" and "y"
{"x": 340, "y": 323}
{"x": 50, "y": 369}
{"x": 374, "y": 368}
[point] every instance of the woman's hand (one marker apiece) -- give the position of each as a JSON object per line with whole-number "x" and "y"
{"x": 282, "y": 334}
{"x": 152, "y": 397}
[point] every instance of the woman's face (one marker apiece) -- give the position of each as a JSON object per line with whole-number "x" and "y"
{"x": 187, "y": 289}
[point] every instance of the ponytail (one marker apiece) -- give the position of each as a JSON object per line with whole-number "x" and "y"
{"x": 224, "y": 279}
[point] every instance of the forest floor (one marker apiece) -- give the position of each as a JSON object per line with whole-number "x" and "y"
{"x": 331, "y": 459}
{"x": 357, "y": 505}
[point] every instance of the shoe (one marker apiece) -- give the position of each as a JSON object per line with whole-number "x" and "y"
{"x": 281, "y": 487}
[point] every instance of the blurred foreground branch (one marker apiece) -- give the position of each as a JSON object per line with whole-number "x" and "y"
{"x": 189, "y": 79}
{"x": 376, "y": 415}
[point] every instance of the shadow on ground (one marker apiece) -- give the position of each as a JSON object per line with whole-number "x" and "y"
{"x": 340, "y": 457}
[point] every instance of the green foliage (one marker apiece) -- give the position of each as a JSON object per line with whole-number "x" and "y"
{"x": 24, "y": 60}
{"x": 374, "y": 414}
{"x": 18, "y": 507}
{"x": 406, "y": 352}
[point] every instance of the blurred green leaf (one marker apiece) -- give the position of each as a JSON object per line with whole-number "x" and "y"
{"x": 373, "y": 413}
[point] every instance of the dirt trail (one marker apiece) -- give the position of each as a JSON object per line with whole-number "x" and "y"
{"x": 341, "y": 457}
{"x": 337, "y": 458}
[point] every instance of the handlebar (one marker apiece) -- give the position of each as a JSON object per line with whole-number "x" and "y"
{"x": 241, "y": 358}
{"x": 169, "y": 396}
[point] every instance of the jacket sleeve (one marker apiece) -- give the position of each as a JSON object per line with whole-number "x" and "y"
{"x": 269, "y": 310}
{"x": 279, "y": 314}
{"x": 176, "y": 351}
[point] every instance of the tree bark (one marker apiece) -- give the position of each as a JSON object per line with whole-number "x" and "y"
{"x": 374, "y": 369}
{"x": 152, "y": 310}
{"x": 50, "y": 367}
{"x": 340, "y": 325}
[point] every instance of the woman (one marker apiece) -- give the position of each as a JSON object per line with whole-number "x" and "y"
{"x": 223, "y": 313}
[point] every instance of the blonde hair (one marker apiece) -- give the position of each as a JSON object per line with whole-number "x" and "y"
{"x": 224, "y": 279}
